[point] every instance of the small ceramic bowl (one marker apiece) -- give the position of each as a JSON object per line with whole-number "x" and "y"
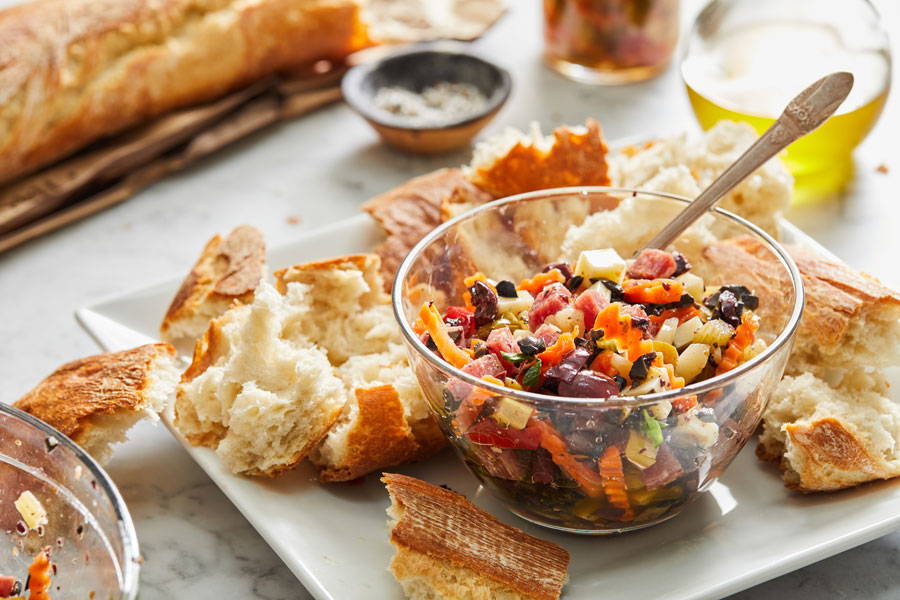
{"x": 416, "y": 69}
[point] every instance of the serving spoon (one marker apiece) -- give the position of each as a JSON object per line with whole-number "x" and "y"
{"x": 803, "y": 114}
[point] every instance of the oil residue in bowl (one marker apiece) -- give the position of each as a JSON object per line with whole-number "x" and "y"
{"x": 750, "y": 74}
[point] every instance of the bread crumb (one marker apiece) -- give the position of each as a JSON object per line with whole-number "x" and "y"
{"x": 293, "y": 220}
{"x": 882, "y": 168}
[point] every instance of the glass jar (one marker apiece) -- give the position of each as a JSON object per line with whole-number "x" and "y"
{"x": 745, "y": 59}
{"x": 610, "y": 41}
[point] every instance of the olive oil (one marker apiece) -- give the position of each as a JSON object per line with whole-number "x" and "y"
{"x": 751, "y": 74}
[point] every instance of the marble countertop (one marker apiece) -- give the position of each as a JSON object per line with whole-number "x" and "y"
{"x": 301, "y": 175}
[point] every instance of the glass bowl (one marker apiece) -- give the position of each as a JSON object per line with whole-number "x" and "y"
{"x": 704, "y": 425}
{"x": 93, "y": 545}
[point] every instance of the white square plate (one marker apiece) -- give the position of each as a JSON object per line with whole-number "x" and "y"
{"x": 748, "y": 528}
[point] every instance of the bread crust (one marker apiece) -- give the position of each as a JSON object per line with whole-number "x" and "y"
{"x": 227, "y": 270}
{"x": 103, "y": 384}
{"x": 77, "y": 70}
{"x": 835, "y": 293}
{"x": 573, "y": 159}
{"x": 380, "y": 436}
{"x": 826, "y": 455}
{"x": 411, "y": 210}
{"x": 446, "y": 527}
{"x": 365, "y": 263}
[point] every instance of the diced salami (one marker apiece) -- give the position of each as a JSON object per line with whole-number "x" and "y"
{"x": 665, "y": 470}
{"x": 590, "y": 302}
{"x": 552, "y": 299}
{"x": 548, "y": 333}
{"x": 652, "y": 264}
{"x": 7, "y": 584}
{"x": 488, "y": 364}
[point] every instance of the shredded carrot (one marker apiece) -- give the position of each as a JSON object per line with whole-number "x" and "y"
{"x": 684, "y": 403}
{"x": 743, "y": 337}
{"x": 553, "y": 355}
{"x": 534, "y": 285}
{"x": 434, "y": 324}
{"x": 584, "y": 476}
{"x": 419, "y": 327}
{"x": 618, "y": 327}
{"x": 682, "y": 314}
{"x": 612, "y": 476}
{"x": 657, "y": 291}
{"x": 39, "y": 576}
{"x": 603, "y": 364}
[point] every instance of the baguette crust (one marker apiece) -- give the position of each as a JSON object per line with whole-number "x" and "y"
{"x": 573, "y": 158}
{"x": 380, "y": 436}
{"x": 75, "y": 394}
{"x": 76, "y": 70}
{"x": 826, "y": 455}
{"x": 436, "y": 527}
{"x": 227, "y": 270}
{"x": 308, "y": 273}
{"x": 411, "y": 210}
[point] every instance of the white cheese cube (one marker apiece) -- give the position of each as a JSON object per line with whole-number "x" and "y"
{"x": 31, "y": 509}
{"x": 522, "y": 301}
{"x": 602, "y": 290}
{"x": 601, "y": 264}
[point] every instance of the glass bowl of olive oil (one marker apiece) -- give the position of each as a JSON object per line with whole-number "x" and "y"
{"x": 745, "y": 59}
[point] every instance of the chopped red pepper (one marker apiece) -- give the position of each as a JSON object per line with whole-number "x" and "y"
{"x": 490, "y": 433}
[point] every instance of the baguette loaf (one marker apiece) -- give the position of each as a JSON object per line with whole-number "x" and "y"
{"x": 831, "y": 423}
{"x": 448, "y": 549}
{"x": 96, "y": 400}
{"x": 77, "y": 70}
{"x": 227, "y": 270}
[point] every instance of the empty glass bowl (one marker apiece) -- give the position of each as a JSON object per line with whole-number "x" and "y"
{"x": 704, "y": 425}
{"x": 93, "y": 545}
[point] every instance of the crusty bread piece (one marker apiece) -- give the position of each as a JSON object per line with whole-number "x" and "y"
{"x": 831, "y": 423}
{"x": 96, "y": 400}
{"x": 227, "y": 270}
{"x": 385, "y": 421}
{"x": 828, "y": 438}
{"x": 448, "y": 549}
{"x": 411, "y": 210}
{"x": 514, "y": 162}
{"x": 261, "y": 397}
{"x": 686, "y": 165}
{"x": 76, "y": 70}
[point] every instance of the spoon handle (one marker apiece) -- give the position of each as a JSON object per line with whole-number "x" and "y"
{"x": 802, "y": 115}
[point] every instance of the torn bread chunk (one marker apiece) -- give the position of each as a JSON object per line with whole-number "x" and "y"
{"x": 448, "y": 549}
{"x": 227, "y": 270}
{"x": 262, "y": 399}
{"x": 96, "y": 400}
{"x": 831, "y": 423}
{"x": 386, "y": 420}
{"x": 828, "y": 438}
{"x": 629, "y": 226}
{"x": 411, "y": 210}
{"x": 515, "y": 162}
{"x": 686, "y": 165}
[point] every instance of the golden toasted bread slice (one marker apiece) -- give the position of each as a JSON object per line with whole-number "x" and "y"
{"x": 227, "y": 270}
{"x": 96, "y": 400}
{"x": 447, "y": 548}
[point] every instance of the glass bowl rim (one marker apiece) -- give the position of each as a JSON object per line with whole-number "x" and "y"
{"x": 131, "y": 555}
{"x": 719, "y": 381}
